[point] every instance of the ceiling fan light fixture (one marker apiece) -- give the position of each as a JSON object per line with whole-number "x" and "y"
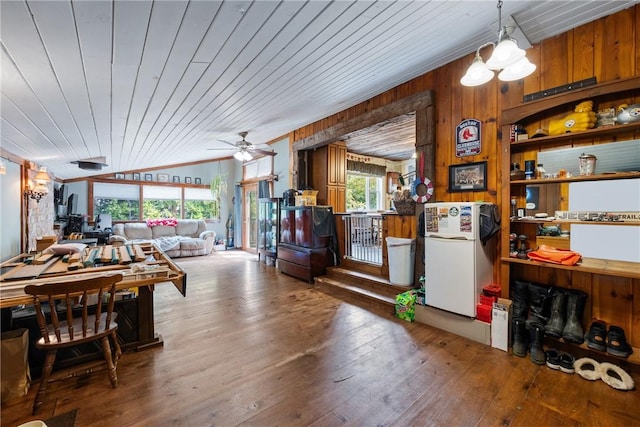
{"x": 242, "y": 156}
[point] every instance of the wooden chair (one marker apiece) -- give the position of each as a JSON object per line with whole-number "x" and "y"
{"x": 77, "y": 295}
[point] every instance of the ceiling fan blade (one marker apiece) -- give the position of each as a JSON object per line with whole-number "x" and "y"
{"x": 265, "y": 152}
{"x": 230, "y": 144}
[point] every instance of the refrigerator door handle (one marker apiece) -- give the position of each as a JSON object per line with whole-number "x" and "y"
{"x": 435, "y": 236}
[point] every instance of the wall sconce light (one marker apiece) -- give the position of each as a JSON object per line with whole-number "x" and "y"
{"x": 41, "y": 188}
{"x": 506, "y": 56}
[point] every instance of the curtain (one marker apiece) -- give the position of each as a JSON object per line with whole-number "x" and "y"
{"x": 368, "y": 168}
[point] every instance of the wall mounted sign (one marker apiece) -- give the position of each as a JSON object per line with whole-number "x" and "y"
{"x": 468, "y": 138}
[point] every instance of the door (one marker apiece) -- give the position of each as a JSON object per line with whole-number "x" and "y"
{"x": 250, "y": 218}
{"x": 450, "y": 282}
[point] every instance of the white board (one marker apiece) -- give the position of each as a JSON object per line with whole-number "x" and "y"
{"x": 621, "y": 243}
{"x": 620, "y": 195}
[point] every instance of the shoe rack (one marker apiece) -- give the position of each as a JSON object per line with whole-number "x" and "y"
{"x": 613, "y": 287}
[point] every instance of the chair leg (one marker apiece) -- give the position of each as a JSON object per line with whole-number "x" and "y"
{"x": 116, "y": 346}
{"x": 44, "y": 379}
{"x": 106, "y": 350}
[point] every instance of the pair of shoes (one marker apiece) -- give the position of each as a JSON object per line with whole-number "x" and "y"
{"x": 567, "y": 307}
{"x": 560, "y": 360}
{"x": 614, "y": 342}
{"x": 597, "y": 335}
{"x": 617, "y": 342}
{"x": 612, "y": 375}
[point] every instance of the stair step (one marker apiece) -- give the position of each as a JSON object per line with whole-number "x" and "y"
{"x": 356, "y": 294}
{"x": 378, "y": 285}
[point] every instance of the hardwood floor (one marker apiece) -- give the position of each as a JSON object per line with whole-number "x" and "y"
{"x": 250, "y": 346}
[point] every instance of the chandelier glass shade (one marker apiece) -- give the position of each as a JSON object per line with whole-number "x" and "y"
{"x": 517, "y": 71}
{"x": 506, "y": 56}
{"x": 478, "y": 73}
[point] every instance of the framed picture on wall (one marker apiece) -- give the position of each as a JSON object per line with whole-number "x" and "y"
{"x": 468, "y": 177}
{"x": 119, "y": 176}
{"x": 163, "y": 177}
{"x": 176, "y": 179}
{"x": 136, "y": 176}
{"x": 148, "y": 177}
{"x": 198, "y": 181}
{"x": 187, "y": 180}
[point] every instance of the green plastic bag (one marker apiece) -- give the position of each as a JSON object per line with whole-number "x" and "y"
{"x": 406, "y": 305}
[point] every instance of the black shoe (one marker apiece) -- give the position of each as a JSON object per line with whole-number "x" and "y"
{"x": 520, "y": 341}
{"x": 596, "y": 337}
{"x": 566, "y": 363}
{"x": 617, "y": 343}
{"x": 536, "y": 351}
{"x": 539, "y": 305}
{"x": 553, "y": 358}
{"x": 572, "y": 331}
{"x": 556, "y": 322}
{"x": 520, "y": 298}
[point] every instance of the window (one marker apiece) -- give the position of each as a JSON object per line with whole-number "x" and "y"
{"x": 200, "y": 204}
{"x": 364, "y": 192}
{"x": 161, "y": 202}
{"x": 258, "y": 168}
{"x": 121, "y": 201}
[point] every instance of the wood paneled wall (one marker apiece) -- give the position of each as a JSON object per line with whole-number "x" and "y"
{"x": 608, "y": 49}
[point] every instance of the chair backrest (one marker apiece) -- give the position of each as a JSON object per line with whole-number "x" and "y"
{"x": 78, "y": 295}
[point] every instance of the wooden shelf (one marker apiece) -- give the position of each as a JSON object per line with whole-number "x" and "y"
{"x": 634, "y": 358}
{"x": 566, "y": 138}
{"x": 570, "y": 221}
{"x": 588, "y": 265}
{"x": 535, "y": 114}
{"x": 528, "y": 109}
{"x": 598, "y": 177}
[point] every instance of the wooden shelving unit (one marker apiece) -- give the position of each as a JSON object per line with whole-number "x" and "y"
{"x": 612, "y": 286}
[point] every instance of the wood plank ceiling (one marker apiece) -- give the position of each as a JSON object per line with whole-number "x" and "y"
{"x": 152, "y": 83}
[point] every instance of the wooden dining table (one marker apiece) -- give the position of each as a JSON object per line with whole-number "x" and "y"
{"x": 147, "y": 267}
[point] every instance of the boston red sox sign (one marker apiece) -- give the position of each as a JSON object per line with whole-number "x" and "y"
{"x": 468, "y": 138}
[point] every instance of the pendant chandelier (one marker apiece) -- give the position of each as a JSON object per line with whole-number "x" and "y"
{"x": 506, "y": 56}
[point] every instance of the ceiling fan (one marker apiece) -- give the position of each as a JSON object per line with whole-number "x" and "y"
{"x": 245, "y": 149}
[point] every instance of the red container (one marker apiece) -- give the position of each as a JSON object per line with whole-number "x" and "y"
{"x": 484, "y": 313}
{"x": 487, "y": 300}
{"x": 492, "y": 290}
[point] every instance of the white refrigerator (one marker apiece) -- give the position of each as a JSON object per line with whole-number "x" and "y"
{"x": 457, "y": 264}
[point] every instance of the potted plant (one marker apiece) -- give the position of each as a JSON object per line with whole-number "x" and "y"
{"x": 218, "y": 189}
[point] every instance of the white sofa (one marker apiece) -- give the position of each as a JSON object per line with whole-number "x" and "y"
{"x": 189, "y": 237}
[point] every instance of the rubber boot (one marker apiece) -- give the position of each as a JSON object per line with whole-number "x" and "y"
{"x": 537, "y": 350}
{"x": 520, "y": 298}
{"x": 520, "y": 341}
{"x": 539, "y": 304}
{"x": 573, "y": 331}
{"x": 556, "y": 322}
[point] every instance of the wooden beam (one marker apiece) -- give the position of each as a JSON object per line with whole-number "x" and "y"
{"x": 415, "y": 102}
